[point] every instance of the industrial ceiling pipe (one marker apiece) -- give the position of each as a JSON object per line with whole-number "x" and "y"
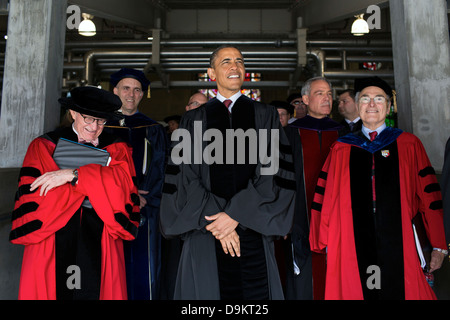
{"x": 183, "y": 59}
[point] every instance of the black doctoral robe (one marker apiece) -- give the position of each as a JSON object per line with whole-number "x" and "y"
{"x": 262, "y": 204}
{"x": 143, "y": 255}
{"x": 445, "y": 187}
{"x": 346, "y": 127}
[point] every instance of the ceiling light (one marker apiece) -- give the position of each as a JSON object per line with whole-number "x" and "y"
{"x": 360, "y": 26}
{"x": 87, "y": 27}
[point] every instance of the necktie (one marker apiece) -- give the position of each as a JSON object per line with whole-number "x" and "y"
{"x": 372, "y": 136}
{"x": 351, "y": 125}
{"x": 227, "y": 104}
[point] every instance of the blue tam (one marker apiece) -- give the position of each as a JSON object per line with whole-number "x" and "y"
{"x": 130, "y": 73}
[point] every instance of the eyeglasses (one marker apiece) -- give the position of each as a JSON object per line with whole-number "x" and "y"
{"x": 194, "y": 103}
{"x": 376, "y": 100}
{"x": 297, "y": 102}
{"x": 90, "y": 120}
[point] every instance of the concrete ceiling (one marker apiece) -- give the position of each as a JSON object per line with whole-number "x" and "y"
{"x": 142, "y": 12}
{"x": 135, "y": 20}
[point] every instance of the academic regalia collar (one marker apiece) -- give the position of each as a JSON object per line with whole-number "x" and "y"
{"x": 233, "y": 99}
{"x": 308, "y": 122}
{"x": 132, "y": 121}
{"x": 386, "y": 137}
{"x": 105, "y": 138}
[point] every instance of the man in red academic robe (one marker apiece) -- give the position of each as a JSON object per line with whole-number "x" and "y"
{"x": 317, "y": 133}
{"x": 72, "y": 221}
{"x": 372, "y": 185}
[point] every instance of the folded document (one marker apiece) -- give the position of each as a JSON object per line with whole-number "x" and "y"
{"x": 70, "y": 154}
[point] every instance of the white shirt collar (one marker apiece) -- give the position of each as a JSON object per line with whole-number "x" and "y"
{"x": 366, "y": 131}
{"x": 354, "y": 120}
{"x": 233, "y": 98}
{"x": 73, "y": 128}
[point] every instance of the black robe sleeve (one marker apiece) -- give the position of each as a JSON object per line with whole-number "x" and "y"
{"x": 186, "y": 199}
{"x": 445, "y": 187}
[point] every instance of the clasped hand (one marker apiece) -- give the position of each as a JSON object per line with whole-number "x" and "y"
{"x": 223, "y": 228}
{"x": 52, "y": 179}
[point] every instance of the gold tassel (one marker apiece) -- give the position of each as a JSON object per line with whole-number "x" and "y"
{"x": 148, "y": 93}
{"x": 394, "y": 100}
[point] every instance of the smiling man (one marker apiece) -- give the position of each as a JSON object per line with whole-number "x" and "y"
{"x": 373, "y": 184}
{"x": 72, "y": 222}
{"x": 228, "y": 213}
{"x": 149, "y": 142}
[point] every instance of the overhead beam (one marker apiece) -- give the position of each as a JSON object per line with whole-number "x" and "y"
{"x": 141, "y": 13}
{"x": 319, "y": 12}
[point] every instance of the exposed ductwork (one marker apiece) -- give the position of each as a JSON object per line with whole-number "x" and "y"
{"x": 91, "y": 62}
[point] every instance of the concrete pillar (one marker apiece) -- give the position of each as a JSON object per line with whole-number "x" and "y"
{"x": 31, "y": 87}
{"x": 421, "y": 49}
{"x": 32, "y": 75}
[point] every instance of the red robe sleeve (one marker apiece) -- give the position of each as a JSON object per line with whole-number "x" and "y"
{"x": 37, "y": 217}
{"x": 112, "y": 192}
{"x": 429, "y": 197}
{"x": 324, "y": 196}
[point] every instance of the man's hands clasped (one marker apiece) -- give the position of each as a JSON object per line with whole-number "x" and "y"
{"x": 52, "y": 179}
{"x": 223, "y": 228}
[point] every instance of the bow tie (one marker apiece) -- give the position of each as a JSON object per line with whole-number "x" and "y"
{"x": 94, "y": 142}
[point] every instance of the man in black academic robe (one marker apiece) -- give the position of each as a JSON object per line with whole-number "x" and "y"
{"x": 445, "y": 187}
{"x": 149, "y": 142}
{"x": 228, "y": 213}
{"x": 347, "y": 108}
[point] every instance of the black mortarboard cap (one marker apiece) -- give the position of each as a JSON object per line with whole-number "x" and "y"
{"x": 293, "y": 96}
{"x": 375, "y": 81}
{"x": 176, "y": 117}
{"x": 284, "y": 105}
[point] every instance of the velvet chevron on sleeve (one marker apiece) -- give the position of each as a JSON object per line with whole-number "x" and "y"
{"x": 42, "y": 223}
{"x": 360, "y": 232}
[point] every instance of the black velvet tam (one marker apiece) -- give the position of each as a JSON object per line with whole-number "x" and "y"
{"x": 94, "y": 102}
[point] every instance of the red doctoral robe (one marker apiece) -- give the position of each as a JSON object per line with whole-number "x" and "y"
{"x": 317, "y": 136}
{"x": 36, "y": 219}
{"x": 338, "y": 225}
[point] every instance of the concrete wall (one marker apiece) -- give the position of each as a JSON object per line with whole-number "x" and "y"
{"x": 421, "y": 50}
{"x": 10, "y": 255}
{"x": 231, "y": 21}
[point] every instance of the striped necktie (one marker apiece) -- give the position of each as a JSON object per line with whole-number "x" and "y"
{"x": 227, "y": 104}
